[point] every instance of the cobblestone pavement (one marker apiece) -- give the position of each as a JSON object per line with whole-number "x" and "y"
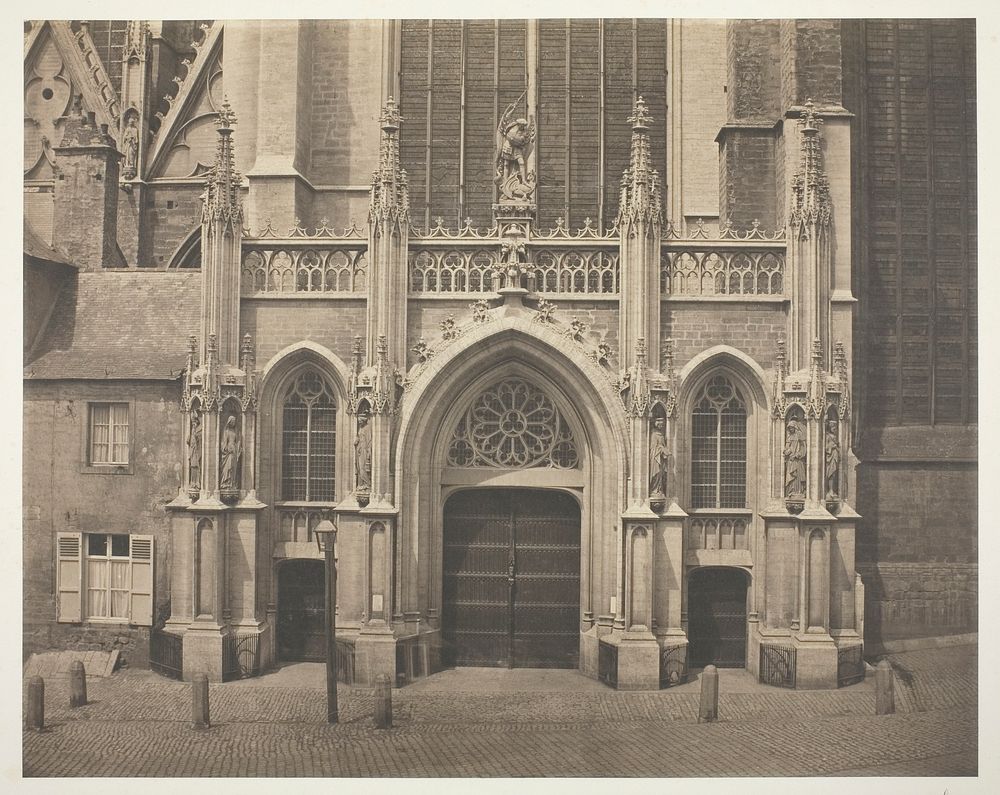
{"x": 137, "y": 725}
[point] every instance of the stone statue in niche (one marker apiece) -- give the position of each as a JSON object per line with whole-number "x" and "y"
{"x": 194, "y": 452}
{"x": 832, "y": 448}
{"x": 795, "y": 459}
{"x": 230, "y": 450}
{"x": 659, "y": 459}
{"x": 514, "y": 267}
{"x": 130, "y": 148}
{"x": 514, "y": 139}
{"x": 363, "y": 453}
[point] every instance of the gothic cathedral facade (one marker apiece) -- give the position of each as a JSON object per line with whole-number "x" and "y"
{"x": 627, "y": 346}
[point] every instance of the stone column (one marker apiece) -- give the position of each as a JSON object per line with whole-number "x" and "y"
{"x": 816, "y": 657}
{"x": 204, "y": 636}
{"x": 376, "y": 643}
{"x": 638, "y": 651}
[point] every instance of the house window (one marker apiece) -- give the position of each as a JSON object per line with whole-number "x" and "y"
{"x": 108, "y": 581}
{"x": 308, "y": 440}
{"x": 719, "y": 447}
{"x": 105, "y": 577}
{"x": 108, "y": 440}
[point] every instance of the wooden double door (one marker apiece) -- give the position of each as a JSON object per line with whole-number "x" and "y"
{"x": 511, "y": 579}
{"x": 717, "y": 617}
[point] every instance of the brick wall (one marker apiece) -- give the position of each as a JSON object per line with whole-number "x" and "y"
{"x": 698, "y": 326}
{"x": 58, "y": 495}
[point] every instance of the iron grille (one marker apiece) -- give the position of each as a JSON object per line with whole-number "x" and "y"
{"x": 412, "y": 660}
{"x": 673, "y": 665}
{"x": 240, "y": 656}
{"x": 777, "y": 665}
{"x": 607, "y": 663}
{"x": 850, "y": 665}
{"x": 166, "y": 654}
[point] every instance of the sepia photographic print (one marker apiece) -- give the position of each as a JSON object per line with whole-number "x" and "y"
{"x": 488, "y": 398}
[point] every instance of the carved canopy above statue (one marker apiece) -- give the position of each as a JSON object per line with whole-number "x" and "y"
{"x": 513, "y": 424}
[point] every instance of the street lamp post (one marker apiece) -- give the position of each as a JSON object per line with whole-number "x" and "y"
{"x": 326, "y": 540}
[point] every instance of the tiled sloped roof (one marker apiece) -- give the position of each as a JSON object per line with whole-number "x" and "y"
{"x": 119, "y": 325}
{"x": 37, "y": 248}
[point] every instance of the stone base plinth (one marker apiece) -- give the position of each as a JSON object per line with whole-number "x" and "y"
{"x": 638, "y": 664}
{"x": 816, "y": 665}
{"x": 374, "y": 654}
{"x": 202, "y": 652}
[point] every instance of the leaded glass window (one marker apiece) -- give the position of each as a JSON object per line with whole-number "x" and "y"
{"x": 719, "y": 447}
{"x": 308, "y": 440}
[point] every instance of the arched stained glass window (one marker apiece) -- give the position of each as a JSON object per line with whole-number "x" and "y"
{"x": 308, "y": 440}
{"x": 719, "y": 447}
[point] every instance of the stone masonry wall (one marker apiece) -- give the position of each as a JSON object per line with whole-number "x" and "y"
{"x": 425, "y": 316}
{"x": 275, "y": 324}
{"x": 59, "y": 495}
{"x": 747, "y": 178}
{"x": 811, "y": 61}
{"x": 917, "y": 548}
{"x": 171, "y": 214}
{"x": 695, "y": 327}
{"x": 346, "y": 99}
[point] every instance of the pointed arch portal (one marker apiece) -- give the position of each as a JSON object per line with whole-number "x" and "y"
{"x": 508, "y": 417}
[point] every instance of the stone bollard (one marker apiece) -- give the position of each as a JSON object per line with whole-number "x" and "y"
{"x": 708, "y": 708}
{"x": 885, "y": 699}
{"x": 77, "y": 684}
{"x": 383, "y": 702}
{"x": 36, "y": 703}
{"x": 199, "y": 702}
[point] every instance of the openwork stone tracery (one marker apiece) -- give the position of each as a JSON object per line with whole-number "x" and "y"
{"x": 513, "y": 424}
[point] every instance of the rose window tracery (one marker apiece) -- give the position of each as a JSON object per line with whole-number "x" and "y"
{"x": 513, "y": 424}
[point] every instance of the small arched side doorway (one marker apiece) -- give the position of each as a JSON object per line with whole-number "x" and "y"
{"x": 511, "y": 579}
{"x": 301, "y": 609}
{"x": 717, "y": 617}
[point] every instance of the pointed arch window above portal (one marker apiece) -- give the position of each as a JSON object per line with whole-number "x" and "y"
{"x": 719, "y": 446}
{"x": 513, "y": 425}
{"x": 309, "y": 439}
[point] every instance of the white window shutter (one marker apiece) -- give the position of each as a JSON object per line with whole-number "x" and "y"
{"x": 69, "y": 576}
{"x": 141, "y": 554}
